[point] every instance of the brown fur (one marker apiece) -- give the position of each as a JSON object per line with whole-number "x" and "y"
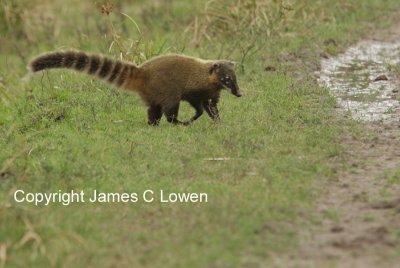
{"x": 161, "y": 82}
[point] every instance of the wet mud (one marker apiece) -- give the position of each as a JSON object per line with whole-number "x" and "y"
{"x": 362, "y": 81}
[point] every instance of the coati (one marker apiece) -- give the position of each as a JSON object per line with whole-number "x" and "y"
{"x": 161, "y": 82}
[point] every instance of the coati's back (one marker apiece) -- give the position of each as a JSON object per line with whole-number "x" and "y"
{"x": 176, "y": 75}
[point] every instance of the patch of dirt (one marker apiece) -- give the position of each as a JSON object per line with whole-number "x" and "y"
{"x": 358, "y": 213}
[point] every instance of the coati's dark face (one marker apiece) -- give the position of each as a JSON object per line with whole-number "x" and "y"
{"x": 226, "y": 76}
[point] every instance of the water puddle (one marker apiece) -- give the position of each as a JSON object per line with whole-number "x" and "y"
{"x": 350, "y": 78}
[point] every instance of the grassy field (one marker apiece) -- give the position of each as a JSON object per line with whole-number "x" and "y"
{"x": 67, "y": 131}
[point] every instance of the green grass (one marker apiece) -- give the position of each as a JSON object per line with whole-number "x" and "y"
{"x": 391, "y": 177}
{"x": 65, "y": 131}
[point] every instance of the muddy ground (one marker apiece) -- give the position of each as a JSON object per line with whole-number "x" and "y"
{"x": 358, "y": 212}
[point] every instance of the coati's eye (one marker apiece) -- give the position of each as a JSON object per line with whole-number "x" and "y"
{"x": 226, "y": 79}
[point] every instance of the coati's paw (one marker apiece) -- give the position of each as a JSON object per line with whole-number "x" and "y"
{"x": 153, "y": 123}
{"x": 186, "y": 123}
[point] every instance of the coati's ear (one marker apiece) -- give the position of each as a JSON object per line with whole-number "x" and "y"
{"x": 213, "y": 67}
{"x": 231, "y": 63}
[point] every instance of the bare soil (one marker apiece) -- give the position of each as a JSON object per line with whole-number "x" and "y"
{"x": 358, "y": 212}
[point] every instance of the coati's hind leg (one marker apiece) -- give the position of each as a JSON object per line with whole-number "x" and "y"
{"x": 154, "y": 114}
{"x": 211, "y": 108}
{"x": 171, "y": 113}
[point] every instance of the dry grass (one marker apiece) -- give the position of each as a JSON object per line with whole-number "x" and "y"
{"x": 270, "y": 17}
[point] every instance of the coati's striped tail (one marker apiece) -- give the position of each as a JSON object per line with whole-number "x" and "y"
{"x": 113, "y": 71}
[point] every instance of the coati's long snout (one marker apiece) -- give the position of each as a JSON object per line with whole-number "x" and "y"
{"x": 233, "y": 88}
{"x": 236, "y": 91}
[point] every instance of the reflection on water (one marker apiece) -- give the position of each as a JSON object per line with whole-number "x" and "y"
{"x": 350, "y": 78}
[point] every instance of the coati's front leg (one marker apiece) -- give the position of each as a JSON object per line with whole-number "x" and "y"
{"x": 154, "y": 114}
{"x": 211, "y": 108}
{"x": 197, "y": 105}
{"x": 171, "y": 112}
